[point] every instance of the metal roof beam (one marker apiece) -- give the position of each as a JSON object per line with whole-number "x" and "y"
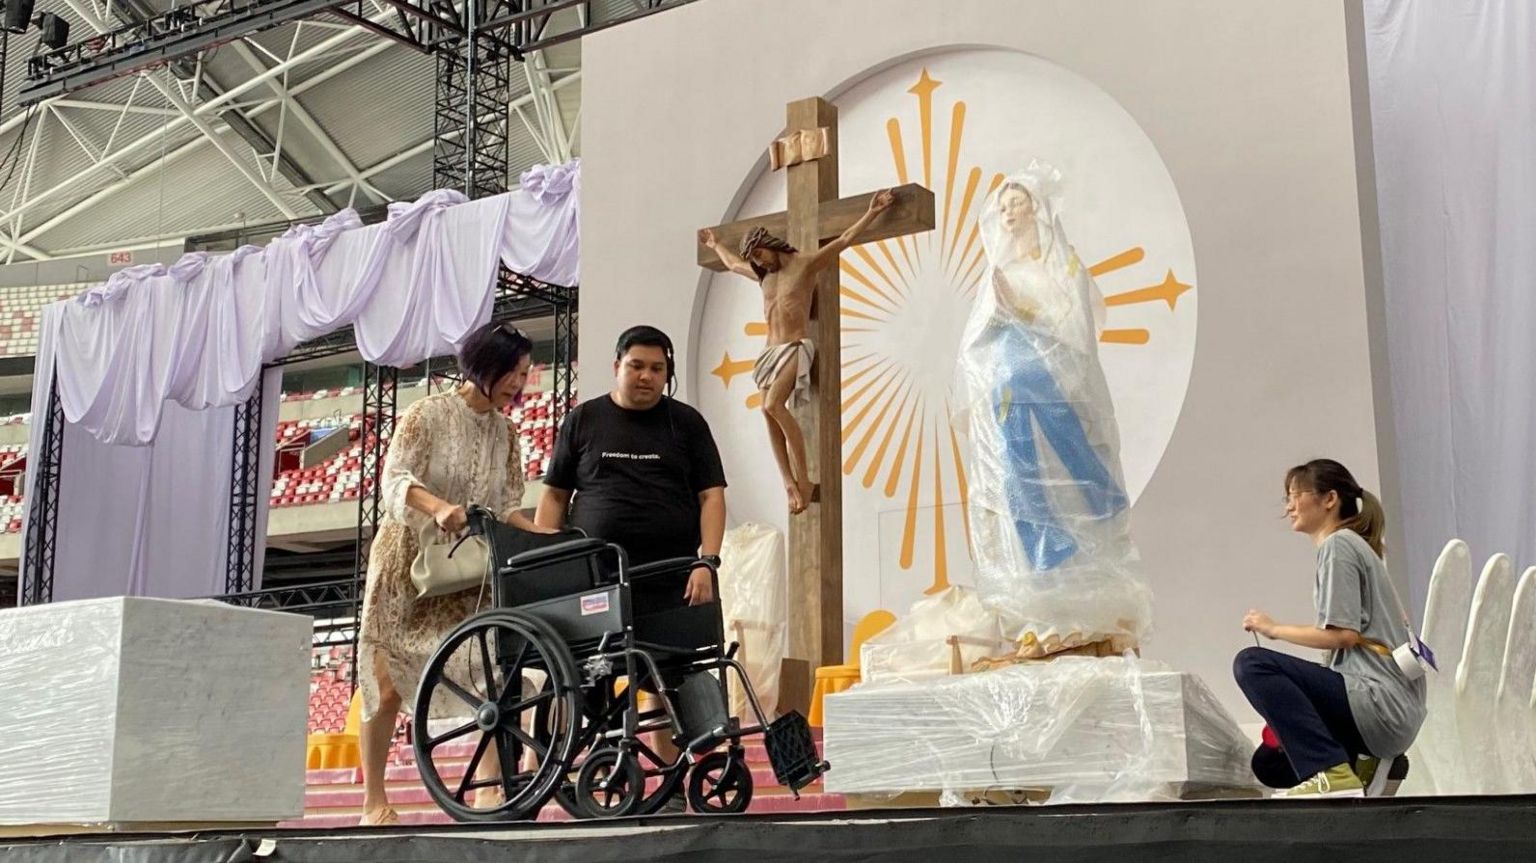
{"x": 426, "y": 146}
{"x": 205, "y": 108}
{"x": 185, "y": 149}
{"x": 174, "y": 96}
{"x": 307, "y": 120}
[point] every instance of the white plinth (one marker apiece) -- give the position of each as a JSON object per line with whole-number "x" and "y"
{"x": 1087, "y": 729}
{"x": 129, "y": 710}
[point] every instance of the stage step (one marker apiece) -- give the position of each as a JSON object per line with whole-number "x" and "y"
{"x": 334, "y": 798}
{"x": 427, "y": 813}
{"x": 406, "y": 788}
{"x": 448, "y": 752}
{"x": 453, "y": 767}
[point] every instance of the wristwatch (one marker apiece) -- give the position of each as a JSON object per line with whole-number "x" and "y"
{"x": 711, "y": 559}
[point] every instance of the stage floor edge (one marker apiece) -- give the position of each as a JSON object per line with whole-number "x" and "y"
{"x": 1359, "y": 831}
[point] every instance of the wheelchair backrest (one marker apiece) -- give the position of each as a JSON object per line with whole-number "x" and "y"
{"x": 524, "y": 575}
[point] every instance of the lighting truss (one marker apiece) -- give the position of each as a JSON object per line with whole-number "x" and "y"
{"x": 515, "y": 27}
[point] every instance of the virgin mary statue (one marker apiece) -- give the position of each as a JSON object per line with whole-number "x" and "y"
{"x": 1049, "y": 514}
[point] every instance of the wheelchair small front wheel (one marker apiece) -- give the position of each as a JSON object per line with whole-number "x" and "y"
{"x": 721, "y": 783}
{"x": 610, "y": 783}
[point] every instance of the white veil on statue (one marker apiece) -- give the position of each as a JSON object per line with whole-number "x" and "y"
{"x": 1049, "y": 514}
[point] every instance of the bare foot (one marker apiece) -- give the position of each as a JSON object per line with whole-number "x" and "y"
{"x": 379, "y": 816}
{"x": 796, "y": 500}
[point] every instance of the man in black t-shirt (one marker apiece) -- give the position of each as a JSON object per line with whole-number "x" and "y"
{"x": 638, "y": 468}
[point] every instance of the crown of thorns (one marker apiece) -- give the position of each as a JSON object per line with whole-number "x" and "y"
{"x": 761, "y": 239}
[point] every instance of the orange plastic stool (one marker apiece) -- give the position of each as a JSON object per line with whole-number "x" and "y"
{"x": 831, "y": 679}
{"x": 332, "y": 750}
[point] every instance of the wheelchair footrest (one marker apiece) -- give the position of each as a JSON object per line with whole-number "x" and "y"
{"x": 792, "y": 752}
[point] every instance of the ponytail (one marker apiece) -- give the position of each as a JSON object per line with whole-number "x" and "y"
{"x": 1370, "y": 522}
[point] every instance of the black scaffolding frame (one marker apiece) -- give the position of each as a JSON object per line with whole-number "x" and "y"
{"x": 475, "y": 43}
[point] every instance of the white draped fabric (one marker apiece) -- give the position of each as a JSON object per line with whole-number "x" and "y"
{"x": 150, "y": 364}
{"x": 198, "y": 331}
{"x": 1453, "y": 109}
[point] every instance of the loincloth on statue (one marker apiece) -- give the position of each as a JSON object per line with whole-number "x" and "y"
{"x": 772, "y": 361}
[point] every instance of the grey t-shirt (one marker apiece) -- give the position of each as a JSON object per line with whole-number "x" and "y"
{"x": 1353, "y": 593}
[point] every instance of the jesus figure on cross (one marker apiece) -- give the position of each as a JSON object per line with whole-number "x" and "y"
{"x": 783, "y": 370}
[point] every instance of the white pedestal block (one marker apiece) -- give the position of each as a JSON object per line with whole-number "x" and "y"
{"x": 147, "y": 711}
{"x": 1082, "y": 729}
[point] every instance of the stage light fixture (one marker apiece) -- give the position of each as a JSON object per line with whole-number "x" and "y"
{"x": 53, "y": 30}
{"x": 17, "y": 15}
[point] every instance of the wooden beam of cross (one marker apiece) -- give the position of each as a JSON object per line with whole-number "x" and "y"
{"x": 911, "y": 214}
{"x": 814, "y": 216}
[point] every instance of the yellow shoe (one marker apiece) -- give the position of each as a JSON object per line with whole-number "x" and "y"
{"x": 1365, "y": 768}
{"x": 1336, "y": 781}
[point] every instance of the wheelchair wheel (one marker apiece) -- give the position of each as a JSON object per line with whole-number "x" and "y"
{"x": 668, "y": 782}
{"x": 479, "y": 671}
{"x": 653, "y": 801}
{"x": 609, "y": 784}
{"x": 720, "y": 783}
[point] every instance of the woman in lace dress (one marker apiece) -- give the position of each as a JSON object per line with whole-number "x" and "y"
{"x": 448, "y": 451}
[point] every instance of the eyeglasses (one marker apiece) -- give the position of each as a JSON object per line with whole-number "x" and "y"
{"x": 1293, "y": 496}
{"x": 514, "y": 332}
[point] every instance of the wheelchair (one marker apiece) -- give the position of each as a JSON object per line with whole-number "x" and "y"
{"x": 550, "y": 677}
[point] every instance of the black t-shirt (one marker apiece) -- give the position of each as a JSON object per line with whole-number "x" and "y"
{"x": 637, "y": 475}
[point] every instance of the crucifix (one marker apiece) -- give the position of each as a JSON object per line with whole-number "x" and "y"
{"x": 793, "y": 255}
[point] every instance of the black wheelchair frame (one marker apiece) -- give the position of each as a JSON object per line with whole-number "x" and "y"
{"x": 570, "y": 609}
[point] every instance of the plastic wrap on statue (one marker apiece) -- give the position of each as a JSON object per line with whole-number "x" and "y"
{"x": 1049, "y": 512}
{"x": 945, "y": 633}
{"x": 754, "y": 602}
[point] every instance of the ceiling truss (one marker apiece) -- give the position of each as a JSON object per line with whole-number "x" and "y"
{"x": 192, "y": 108}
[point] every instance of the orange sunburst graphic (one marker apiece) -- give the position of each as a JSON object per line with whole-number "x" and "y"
{"x": 898, "y": 428}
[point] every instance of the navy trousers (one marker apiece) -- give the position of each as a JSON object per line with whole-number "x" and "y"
{"x": 1307, "y": 707}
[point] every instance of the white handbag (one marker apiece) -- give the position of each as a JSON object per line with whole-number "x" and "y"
{"x": 442, "y": 568}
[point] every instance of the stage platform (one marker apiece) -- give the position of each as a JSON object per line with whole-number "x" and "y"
{"x": 1358, "y": 831}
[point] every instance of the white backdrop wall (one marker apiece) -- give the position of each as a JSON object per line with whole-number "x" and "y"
{"x": 1246, "y": 111}
{"x": 1453, "y": 104}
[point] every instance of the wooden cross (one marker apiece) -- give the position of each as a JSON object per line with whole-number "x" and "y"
{"x": 816, "y": 215}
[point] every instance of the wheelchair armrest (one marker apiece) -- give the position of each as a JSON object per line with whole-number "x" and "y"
{"x": 660, "y": 567}
{"x": 569, "y": 550}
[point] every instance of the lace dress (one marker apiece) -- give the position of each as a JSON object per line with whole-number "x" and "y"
{"x": 463, "y": 457}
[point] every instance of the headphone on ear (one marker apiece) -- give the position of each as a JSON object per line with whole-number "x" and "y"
{"x": 645, "y": 333}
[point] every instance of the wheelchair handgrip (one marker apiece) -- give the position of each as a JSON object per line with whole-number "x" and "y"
{"x": 477, "y": 518}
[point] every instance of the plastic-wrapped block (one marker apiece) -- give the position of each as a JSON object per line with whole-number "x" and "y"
{"x": 1084, "y": 729}
{"x": 134, "y": 710}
